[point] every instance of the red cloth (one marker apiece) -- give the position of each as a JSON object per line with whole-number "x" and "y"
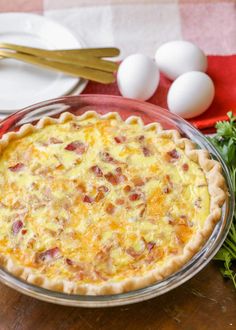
{"x": 222, "y": 69}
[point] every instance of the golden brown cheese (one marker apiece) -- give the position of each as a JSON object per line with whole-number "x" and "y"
{"x": 97, "y": 200}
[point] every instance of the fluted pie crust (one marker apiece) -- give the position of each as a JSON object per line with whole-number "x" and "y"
{"x": 216, "y": 188}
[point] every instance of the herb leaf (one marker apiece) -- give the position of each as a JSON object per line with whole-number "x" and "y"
{"x": 225, "y": 142}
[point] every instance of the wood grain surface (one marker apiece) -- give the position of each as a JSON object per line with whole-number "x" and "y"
{"x": 205, "y": 302}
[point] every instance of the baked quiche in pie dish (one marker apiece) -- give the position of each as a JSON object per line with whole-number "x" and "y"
{"x": 96, "y": 205}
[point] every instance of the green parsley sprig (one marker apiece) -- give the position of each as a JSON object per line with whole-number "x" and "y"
{"x": 225, "y": 142}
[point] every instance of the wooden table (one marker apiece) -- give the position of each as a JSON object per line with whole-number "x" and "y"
{"x": 205, "y": 302}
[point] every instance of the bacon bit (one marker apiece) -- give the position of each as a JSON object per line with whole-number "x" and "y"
{"x": 99, "y": 196}
{"x": 166, "y": 190}
{"x": 110, "y": 208}
{"x": 197, "y": 202}
{"x": 69, "y": 262}
{"x": 172, "y": 155}
{"x": 122, "y": 178}
{"x": 48, "y": 254}
{"x": 97, "y": 171}
{"x": 146, "y": 152}
{"x": 141, "y": 138}
{"x": 75, "y": 125}
{"x": 87, "y": 199}
{"x": 118, "y": 170}
{"x": 116, "y": 178}
{"x": 169, "y": 218}
{"x": 185, "y": 167}
{"x": 54, "y": 140}
{"x": 24, "y": 231}
{"x": 16, "y": 168}
{"x": 77, "y": 146}
{"x": 113, "y": 179}
{"x": 71, "y": 146}
{"x": 182, "y": 221}
{"x": 141, "y": 213}
{"x": 120, "y": 201}
{"x": 103, "y": 189}
{"x": 171, "y": 221}
{"x": 16, "y": 226}
{"x": 169, "y": 181}
{"x": 150, "y": 246}
{"x": 134, "y": 197}
{"x": 106, "y": 157}
{"x": 127, "y": 189}
{"x": 133, "y": 253}
{"x": 137, "y": 181}
{"x": 120, "y": 139}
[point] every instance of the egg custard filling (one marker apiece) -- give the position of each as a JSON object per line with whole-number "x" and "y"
{"x": 97, "y": 205}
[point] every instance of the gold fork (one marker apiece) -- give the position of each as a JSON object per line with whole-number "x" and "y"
{"x": 72, "y": 70}
{"x": 96, "y": 52}
{"x": 75, "y": 59}
{"x": 76, "y": 62}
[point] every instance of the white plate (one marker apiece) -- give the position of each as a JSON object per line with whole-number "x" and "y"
{"x": 22, "y": 84}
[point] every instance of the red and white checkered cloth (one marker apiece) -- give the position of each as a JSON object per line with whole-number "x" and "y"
{"x": 141, "y": 26}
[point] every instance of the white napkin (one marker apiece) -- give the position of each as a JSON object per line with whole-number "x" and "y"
{"x": 131, "y": 27}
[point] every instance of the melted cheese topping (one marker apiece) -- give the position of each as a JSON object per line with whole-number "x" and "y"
{"x": 97, "y": 200}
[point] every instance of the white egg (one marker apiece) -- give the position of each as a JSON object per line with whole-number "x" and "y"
{"x": 138, "y": 77}
{"x": 191, "y": 94}
{"x": 177, "y": 57}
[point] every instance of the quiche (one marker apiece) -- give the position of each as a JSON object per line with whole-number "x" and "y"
{"x": 96, "y": 205}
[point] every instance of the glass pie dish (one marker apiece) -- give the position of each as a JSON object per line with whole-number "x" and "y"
{"x": 149, "y": 113}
